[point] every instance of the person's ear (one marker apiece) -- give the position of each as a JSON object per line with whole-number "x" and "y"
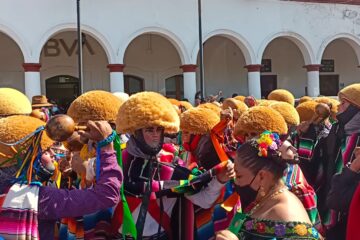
{"x": 264, "y": 177}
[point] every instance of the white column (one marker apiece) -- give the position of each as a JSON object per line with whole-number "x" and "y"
{"x": 117, "y": 82}
{"x": 116, "y": 77}
{"x": 254, "y": 80}
{"x": 32, "y": 79}
{"x": 189, "y": 74}
{"x": 313, "y": 80}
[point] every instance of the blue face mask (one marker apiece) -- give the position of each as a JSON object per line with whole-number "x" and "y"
{"x": 58, "y": 156}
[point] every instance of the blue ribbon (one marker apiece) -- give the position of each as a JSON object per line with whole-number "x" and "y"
{"x": 101, "y": 144}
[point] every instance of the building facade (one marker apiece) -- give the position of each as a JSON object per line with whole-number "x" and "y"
{"x": 250, "y": 47}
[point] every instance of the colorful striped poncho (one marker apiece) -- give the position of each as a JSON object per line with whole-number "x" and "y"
{"x": 295, "y": 181}
{"x": 345, "y": 155}
{"x": 19, "y": 212}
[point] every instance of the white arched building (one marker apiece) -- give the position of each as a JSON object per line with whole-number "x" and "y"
{"x": 250, "y": 47}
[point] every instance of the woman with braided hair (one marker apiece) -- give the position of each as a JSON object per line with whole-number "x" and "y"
{"x": 274, "y": 212}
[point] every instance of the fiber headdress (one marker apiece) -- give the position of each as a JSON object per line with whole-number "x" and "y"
{"x": 13, "y": 102}
{"x": 96, "y": 106}
{"x": 147, "y": 109}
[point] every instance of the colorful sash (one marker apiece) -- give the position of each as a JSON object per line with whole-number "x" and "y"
{"x": 296, "y": 182}
{"x": 19, "y": 213}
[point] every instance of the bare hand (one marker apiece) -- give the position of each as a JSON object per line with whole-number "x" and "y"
{"x": 303, "y": 127}
{"x": 96, "y": 131}
{"x": 227, "y": 173}
{"x": 226, "y": 114}
{"x": 78, "y": 165}
{"x": 225, "y": 235}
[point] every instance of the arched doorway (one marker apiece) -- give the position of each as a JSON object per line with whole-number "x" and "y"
{"x": 175, "y": 87}
{"x": 133, "y": 84}
{"x": 11, "y": 60}
{"x": 62, "y": 89}
{"x": 340, "y": 67}
{"x": 223, "y": 67}
{"x": 59, "y": 57}
{"x": 153, "y": 58}
{"x": 283, "y": 64}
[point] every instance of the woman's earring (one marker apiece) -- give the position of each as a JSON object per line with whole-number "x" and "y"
{"x": 262, "y": 191}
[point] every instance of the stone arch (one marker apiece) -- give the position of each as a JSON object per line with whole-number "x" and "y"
{"x": 99, "y": 37}
{"x": 239, "y": 40}
{"x": 297, "y": 39}
{"x": 352, "y": 40}
{"x": 18, "y": 40}
{"x": 170, "y": 36}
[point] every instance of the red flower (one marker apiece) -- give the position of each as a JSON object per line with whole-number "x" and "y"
{"x": 260, "y": 227}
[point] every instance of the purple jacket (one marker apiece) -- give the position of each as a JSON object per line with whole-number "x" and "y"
{"x": 59, "y": 203}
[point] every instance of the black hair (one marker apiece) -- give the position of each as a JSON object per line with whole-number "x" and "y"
{"x": 221, "y": 100}
{"x": 234, "y": 95}
{"x": 247, "y": 154}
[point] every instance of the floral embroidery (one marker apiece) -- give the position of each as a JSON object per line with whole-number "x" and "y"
{"x": 300, "y": 229}
{"x": 280, "y": 230}
{"x": 249, "y": 225}
{"x": 260, "y": 227}
{"x": 314, "y": 232}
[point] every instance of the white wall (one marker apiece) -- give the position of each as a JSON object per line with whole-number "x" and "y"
{"x": 154, "y": 59}
{"x": 346, "y": 65}
{"x": 287, "y": 63}
{"x": 252, "y": 25}
{"x": 96, "y": 74}
{"x": 224, "y": 68}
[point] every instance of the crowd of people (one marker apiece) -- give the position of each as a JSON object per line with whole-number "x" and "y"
{"x": 155, "y": 168}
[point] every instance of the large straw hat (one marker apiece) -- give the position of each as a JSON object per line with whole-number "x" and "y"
{"x": 351, "y": 93}
{"x": 13, "y": 102}
{"x": 334, "y": 103}
{"x": 259, "y": 119}
{"x": 147, "y": 109}
{"x": 39, "y": 101}
{"x": 306, "y": 110}
{"x": 282, "y": 95}
{"x": 234, "y": 104}
{"x": 240, "y": 98}
{"x": 121, "y": 96}
{"x": 305, "y": 99}
{"x": 14, "y": 128}
{"x": 96, "y": 106}
{"x": 186, "y": 105}
{"x": 288, "y": 112}
{"x": 198, "y": 120}
{"x": 212, "y": 106}
{"x": 265, "y": 102}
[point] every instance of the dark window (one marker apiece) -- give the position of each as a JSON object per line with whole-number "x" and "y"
{"x": 175, "y": 87}
{"x": 62, "y": 89}
{"x": 328, "y": 65}
{"x": 266, "y": 65}
{"x": 133, "y": 84}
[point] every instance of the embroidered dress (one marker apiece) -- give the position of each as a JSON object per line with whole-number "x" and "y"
{"x": 276, "y": 230}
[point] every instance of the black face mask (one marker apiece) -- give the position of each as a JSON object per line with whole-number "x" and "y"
{"x": 344, "y": 117}
{"x": 247, "y": 194}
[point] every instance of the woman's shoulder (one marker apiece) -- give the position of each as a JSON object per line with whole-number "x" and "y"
{"x": 288, "y": 208}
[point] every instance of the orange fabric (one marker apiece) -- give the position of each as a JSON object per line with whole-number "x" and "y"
{"x": 217, "y": 136}
{"x": 230, "y": 202}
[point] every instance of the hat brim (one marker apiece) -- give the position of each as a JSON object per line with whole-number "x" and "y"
{"x": 42, "y": 105}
